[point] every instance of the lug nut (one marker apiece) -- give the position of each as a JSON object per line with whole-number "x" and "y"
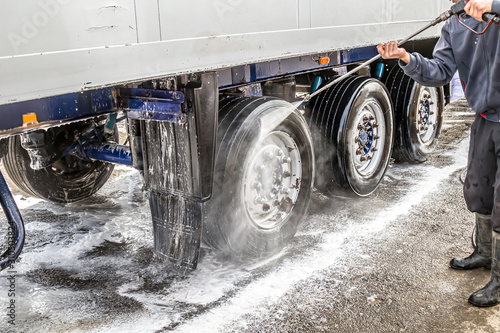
{"x": 285, "y": 159}
{"x": 260, "y": 200}
{"x": 257, "y": 185}
{"x": 359, "y": 151}
{"x": 357, "y": 139}
{"x": 285, "y": 190}
{"x": 268, "y": 155}
{"x": 278, "y": 152}
{"x": 376, "y": 137}
{"x": 260, "y": 168}
{"x": 362, "y": 159}
{"x": 366, "y": 118}
{"x": 374, "y": 149}
{"x": 375, "y": 125}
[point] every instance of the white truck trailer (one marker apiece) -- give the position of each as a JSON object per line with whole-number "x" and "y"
{"x": 205, "y": 88}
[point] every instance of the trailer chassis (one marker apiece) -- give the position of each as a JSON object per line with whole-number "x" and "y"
{"x": 174, "y": 114}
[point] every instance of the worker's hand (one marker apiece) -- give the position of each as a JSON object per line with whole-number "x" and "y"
{"x": 476, "y": 8}
{"x": 393, "y": 51}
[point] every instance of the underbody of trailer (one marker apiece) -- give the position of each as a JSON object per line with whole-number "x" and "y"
{"x": 205, "y": 89}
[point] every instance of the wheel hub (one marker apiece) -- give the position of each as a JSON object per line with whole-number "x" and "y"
{"x": 367, "y": 138}
{"x": 426, "y": 117}
{"x": 270, "y": 176}
{"x": 272, "y": 180}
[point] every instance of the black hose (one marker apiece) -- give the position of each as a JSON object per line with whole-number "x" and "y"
{"x": 16, "y": 226}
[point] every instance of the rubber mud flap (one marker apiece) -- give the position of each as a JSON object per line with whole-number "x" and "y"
{"x": 176, "y": 228}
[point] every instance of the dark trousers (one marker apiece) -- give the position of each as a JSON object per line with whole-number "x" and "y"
{"x": 482, "y": 183}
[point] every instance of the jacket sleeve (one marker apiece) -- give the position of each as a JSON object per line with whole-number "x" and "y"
{"x": 434, "y": 72}
{"x": 495, "y": 8}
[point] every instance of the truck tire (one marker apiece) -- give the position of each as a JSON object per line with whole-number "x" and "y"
{"x": 263, "y": 177}
{"x": 352, "y": 124}
{"x": 418, "y": 113}
{"x": 68, "y": 180}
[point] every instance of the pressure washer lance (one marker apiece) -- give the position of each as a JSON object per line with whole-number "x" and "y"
{"x": 456, "y": 9}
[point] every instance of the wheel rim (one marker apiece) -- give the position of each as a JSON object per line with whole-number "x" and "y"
{"x": 427, "y": 115}
{"x": 367, "y": 141}
{"x": 272, "y": 180}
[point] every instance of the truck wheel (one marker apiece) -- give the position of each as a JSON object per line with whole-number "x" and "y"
{"x": 263, "y": 177}
{"x": 68, "y": 180}
{"x": 353, "y": 125}
{"x": 418, "y": 114}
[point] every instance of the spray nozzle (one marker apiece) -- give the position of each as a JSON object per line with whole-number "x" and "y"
{"x": 456, "y": 9}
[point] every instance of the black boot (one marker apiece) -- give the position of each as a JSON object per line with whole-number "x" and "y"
{"x": 490, "y": 294}
{"x": 481, "y": 257}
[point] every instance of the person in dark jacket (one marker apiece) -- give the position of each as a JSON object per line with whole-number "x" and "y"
{"x": 477, "y": 58}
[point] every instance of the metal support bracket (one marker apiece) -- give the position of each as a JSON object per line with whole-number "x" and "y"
{"x": 148, "y": 104}
{"x": 108, "y": 152}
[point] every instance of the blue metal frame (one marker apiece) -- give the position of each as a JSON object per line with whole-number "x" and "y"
{"x": 239, "y": 75}
{"x": 358, "y": 55}
{"x": 59, "y": 108}
{"x": 16, "y": 226}
{"x": 109, "y": 152}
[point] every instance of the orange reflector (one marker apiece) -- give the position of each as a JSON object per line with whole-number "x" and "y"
{"x": 324, "y": 61}
{"x": 29, "y": 118}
